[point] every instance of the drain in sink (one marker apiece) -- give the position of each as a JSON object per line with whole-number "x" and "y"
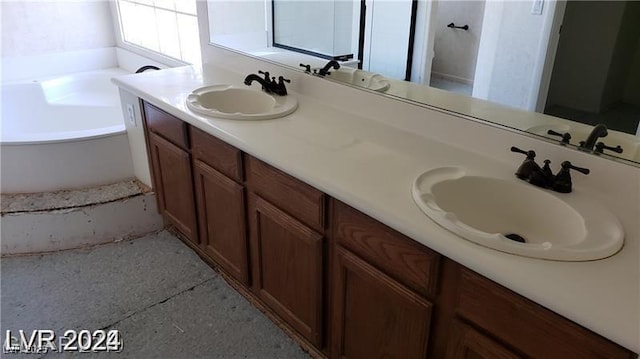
{"x": 516, "y": 237}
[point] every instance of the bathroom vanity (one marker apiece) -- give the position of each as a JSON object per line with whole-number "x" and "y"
{"x": 310, "y": 217}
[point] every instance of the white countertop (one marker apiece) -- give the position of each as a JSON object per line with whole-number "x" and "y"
{"x": 371, "y": 166}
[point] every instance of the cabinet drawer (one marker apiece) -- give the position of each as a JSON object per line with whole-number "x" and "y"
{"x": 297, "y": 198}
{"x": 534, "y": 330}
{"x": 394, "y": 254}
{"x": 217, "y": 154}
{"x": 168, "y": 126}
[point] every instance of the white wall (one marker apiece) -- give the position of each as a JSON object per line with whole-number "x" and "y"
{"x": 344, "y": 17}
{"x": 239, "y": 25}
{"x": 43, "y": 27}
{"x": 511, "y": 48}
{"x": 320, "y": 26}
{"x": 387, "y": 37}
{"x": 456, "y": 50}
{"x": 304, "y": 25}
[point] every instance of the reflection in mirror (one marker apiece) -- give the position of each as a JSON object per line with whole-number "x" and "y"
{"x": 303, "y": 27}
{"x": 504, "y": 62}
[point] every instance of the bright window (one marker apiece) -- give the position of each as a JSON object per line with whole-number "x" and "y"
{"x": 169, "y": 27}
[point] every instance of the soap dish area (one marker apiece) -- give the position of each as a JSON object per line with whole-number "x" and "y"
{"x": 515, "y": 217}
{"x": 238, "y": 103}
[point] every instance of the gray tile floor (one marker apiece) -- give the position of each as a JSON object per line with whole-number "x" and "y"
{"x": 163, "y": 299}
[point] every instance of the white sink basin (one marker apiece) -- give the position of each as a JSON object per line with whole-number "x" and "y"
{"x": 360, "y": 78}
{"x": 237, "y": 103}
{"x": 489, "y": 211}
{"x": 630, "y": 144}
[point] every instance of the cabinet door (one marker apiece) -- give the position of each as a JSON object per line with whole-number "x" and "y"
{"x": 467, "y": 343}
{"x": 222, "y": 220}
{"x": 287, "y": 267}
{"x": 374, "y": 316}
{"x": 174, "y": 187}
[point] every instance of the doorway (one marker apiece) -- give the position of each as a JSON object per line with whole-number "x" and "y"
{"x": 457, "y": 30}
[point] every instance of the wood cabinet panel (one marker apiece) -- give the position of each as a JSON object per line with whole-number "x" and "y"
{"x": 168, "y": 126}
{"x": 374, "y": 316}
{"x": 298, "y": 199}
{"x": 396, "y": 255}
{"x": 287, "y": 267}
{"x": 171, "y": 168}
{"x": 219, "y": 155}
{"x": 527, "y": 326}
{"x": 467, "y": 343}
{"x": 222, "y": 225}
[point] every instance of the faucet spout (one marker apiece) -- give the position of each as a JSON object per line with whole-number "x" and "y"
{"x": 598, "y": 131}
{"x": 253, "y": 77}
{"x": 331, "y": 64}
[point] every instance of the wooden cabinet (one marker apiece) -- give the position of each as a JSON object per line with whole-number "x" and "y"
{"x": 467, "y": 343}
{"x": 373, "y": 315}
{"x": 220, "y": 197}
{"x": 401, "y": 258}
{"x": 294, "y": 197}
{"x": 173, "y": 183}
{"x": 286, "y": 221}
{"x": 522, "y": 324}
{"x": 287, "y": 267}
{"x": 380, "y": 281}
{"x": 221, "y": 216}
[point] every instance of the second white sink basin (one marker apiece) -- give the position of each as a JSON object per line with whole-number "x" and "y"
{"x": 237, "y": 103}
{"x": 360, "y": 78}
{"x": 516, "y": 217}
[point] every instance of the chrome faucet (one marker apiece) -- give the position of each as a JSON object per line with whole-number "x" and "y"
{"x": 269, "y": 85}
{"x": 598, "y": 131}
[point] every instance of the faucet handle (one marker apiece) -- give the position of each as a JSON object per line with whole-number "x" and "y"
{"x": 528, "y": 166}
{"x": 267, "y": 76}
{"x": 530, "y": 154}
{"x": 562, "y": 182}
{"x": 600, "y": 147}
{"x": 281, "y": 79}
{"x": 565, "y": 136}
{"x": 307, "y": 68}
{"x": 566, "y": 165}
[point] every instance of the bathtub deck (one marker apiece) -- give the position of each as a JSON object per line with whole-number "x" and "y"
{"x": 48, "y": 201}
{"x": 62, "y": 220}
{"x": 163, "y": 299}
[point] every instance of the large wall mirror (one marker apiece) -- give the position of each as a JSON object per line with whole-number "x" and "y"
{"x": 549, "y": 68}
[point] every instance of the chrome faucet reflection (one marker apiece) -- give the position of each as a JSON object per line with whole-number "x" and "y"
{"x": 598, "y": 131}
{"x": 325, "y": 70}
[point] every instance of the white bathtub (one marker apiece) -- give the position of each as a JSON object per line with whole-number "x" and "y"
{"x": 63, "y": 132}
